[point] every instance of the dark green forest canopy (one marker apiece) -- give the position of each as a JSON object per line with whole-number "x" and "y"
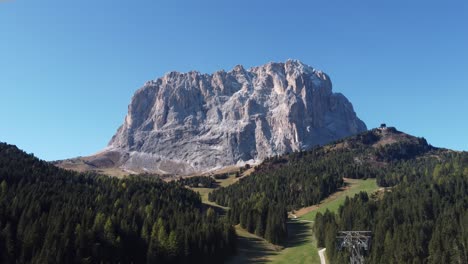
{"x": 419, "y": 221}
{"x": 49, "y": 215}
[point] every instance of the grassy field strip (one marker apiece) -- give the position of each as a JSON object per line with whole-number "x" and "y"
{"x": 302, "y": 245}
{"x": 300, "y": 248}
{"x": 222, "y": 183}
{"x": 333, "y": 203}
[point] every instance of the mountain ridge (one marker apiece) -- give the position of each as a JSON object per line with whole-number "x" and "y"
{"x": 185, "y": 123}
{"x": 369, "y": 152}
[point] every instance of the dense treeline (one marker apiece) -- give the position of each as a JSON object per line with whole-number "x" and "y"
{"x": 305, "y": 178}
{"x": 402, "y": 150}
{"x": 423, "y": 219}
{"x": 222, "y": 176}
{"x": 49, "y": 215}
{"x": 260, "y": 202}
{"x": 199, "y": 181}
{"x": 388, "y": 155}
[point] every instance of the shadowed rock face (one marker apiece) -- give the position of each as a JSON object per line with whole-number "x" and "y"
{"x": 192, "y": 122}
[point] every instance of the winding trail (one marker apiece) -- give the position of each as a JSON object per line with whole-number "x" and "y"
{"x": 322, "y": 256}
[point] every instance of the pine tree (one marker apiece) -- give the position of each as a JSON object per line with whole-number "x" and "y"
{"x": 3, "y": 188}
{"x": 9, "y": 244}
{"x": 109, "y": 232}
{"x": 172, "y": 245}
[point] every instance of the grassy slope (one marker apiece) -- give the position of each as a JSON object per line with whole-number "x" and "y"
{"x": 333, "y": 203}
{"x": 252, "y": 249}
{"x": 301, "y": 246}
{"x": 205, "y": 191}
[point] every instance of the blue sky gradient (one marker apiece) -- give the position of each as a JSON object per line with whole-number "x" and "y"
{"x": 68, "y": 69}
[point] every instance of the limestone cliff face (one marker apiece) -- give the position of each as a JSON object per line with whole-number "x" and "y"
{"x": 192, "y": 122}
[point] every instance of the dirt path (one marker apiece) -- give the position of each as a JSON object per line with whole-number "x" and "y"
{"x": 322, "y": 256}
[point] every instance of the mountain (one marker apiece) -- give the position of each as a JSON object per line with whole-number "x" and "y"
{"x": 190, "y": 122}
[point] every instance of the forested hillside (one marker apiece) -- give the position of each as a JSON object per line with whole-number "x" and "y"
{"x": 424, "y": 219}
{"x": 302, "y": 179}
{"x": 260, "y": 201}
{"x": 49, "y": 215}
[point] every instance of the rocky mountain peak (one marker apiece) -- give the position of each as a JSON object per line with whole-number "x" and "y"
{"x": 191, "y": 122}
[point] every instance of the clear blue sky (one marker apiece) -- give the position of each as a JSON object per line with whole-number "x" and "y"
{"x": 69, "y": 68}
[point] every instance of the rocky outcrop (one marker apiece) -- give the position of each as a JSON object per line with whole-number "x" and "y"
{"x": 192, "y": 122}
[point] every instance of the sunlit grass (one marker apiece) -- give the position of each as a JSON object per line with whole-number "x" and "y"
{"x": 333, "y": 203}
{"x": 301, "y": 245}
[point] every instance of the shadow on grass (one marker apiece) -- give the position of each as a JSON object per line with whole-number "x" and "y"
{"x": 252, "y": 249}
{"x": 298, "y": 233}
{"x": 218, "y": 209}
{"x": 346, "y": 185}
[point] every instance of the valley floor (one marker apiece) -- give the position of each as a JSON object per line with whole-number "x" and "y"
{"x": 301, "y": 245}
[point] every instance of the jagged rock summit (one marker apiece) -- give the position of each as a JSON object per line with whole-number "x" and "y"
{"x": 191, "y": 122}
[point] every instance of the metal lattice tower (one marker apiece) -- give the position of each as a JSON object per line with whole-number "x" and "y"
{"x": 355, "y": 242}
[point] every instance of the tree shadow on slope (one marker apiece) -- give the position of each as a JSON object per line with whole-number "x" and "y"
{"x": 252, "y": 249}
{"x": 221, "y": 211}
{"x": 299, "y": 233}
